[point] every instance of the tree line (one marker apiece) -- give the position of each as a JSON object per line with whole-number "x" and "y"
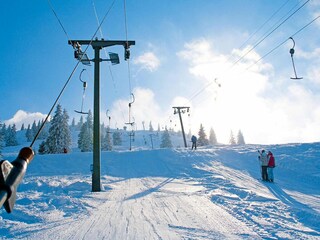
{"x": 56, "y": 134}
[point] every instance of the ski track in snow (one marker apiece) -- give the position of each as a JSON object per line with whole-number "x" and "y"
{"x": 167, "y": 194}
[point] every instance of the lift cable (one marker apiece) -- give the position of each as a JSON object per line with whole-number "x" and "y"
{"x": 261, "y": 26}
{"x": 241, "y": 57}
{"x": 69, "y": 78}
{"x": 105, "y": 51}
{"x": 56, "y": 15}
{"x": 260, "y": 41}
{"x": 127, "y": 54}
{"x": 279, "y": 45}
{"x": 264, "y": 56}
{"x": 127, "y": 58}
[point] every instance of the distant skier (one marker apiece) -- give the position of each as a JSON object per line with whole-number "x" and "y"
{"x": 194, "y": 142}
{"x": 271, "y": 166}
{"x": 263, "y": 158}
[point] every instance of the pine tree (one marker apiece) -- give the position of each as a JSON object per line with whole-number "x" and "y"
{"x": 34, "y": 129}
{"x": 80, "y": 123}
{"x": 158, "y": 127}
{"x": 202, "y": 140}
{"x": 212, "y": 137}
{"x": 29, "y": 134}
{"x": 85, "y": 137}
{"x": 59, "y": 138}
{"x": 66, "y": 133}
{"x": 4, "y": 131}
{"x": 166, "y": 140}
{"x": 73, "y": 123}
{"x": 42, "y": 148}
{"x": 22, "y": 127}
{"x": 240, "y": 138}
{"x": 189, "y": 135}
{"x": 44, "y": 132}
{"x": 150, "y": 127}
{"x": 106, "y": 144}
{"x": 11, "y": 136}
{"x": 116, "y": 137}
{"x": 232, "y": 141}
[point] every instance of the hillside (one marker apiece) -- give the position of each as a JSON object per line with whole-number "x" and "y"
{"x": 211, "y": 193}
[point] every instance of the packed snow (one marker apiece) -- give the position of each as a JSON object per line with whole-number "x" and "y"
{"x": 212, "y": 193}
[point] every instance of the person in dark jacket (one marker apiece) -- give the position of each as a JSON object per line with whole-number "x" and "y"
{"x": 194, "y": 142}
{"x": 271, "y": 166}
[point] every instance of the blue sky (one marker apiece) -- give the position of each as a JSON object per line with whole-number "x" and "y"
{"x": 181, "y": 47}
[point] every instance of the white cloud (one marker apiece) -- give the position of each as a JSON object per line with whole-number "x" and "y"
{"x": 22, "y": 117}
{"x": 148, "y": 61}
{"x": 266, "y": 111}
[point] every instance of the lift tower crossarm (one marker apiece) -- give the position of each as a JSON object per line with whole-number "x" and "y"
{"x": 102, "y": 43}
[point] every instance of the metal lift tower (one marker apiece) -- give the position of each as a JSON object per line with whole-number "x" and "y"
{"x": 97, "y": 45}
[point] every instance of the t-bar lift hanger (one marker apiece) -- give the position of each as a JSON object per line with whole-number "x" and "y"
{"x": 294, "y": 68}
{"x": 83, "y": 94}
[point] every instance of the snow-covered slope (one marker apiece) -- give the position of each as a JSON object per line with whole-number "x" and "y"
{"x": 211, "y": 193}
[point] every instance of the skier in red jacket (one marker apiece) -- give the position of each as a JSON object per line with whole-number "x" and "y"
{"x": 271, "y": 166}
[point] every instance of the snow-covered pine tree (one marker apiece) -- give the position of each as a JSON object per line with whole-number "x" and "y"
{"x": 106, "y": 144}
{"x": 202, "y": 140}
{"x": 34, "y": 129}
{"x": 240, "y": 138}
{"x": 29, "y": 134}
{"x": 85, "y": 137}
{"x": 166, "y": 140}
{"x": 150, "y": 127}
{"x": 44, "y": 132}
{"x": 80, "y": 123}
{"x": 4, "y": 131}
{"x": 212, "y": 137}
{"x": 42, "y": 148}
{"x": 59, "y": 134}
{"x": 73, "y": 124}
{"x": 11, "y": 136}
{"x": 66, "y": 133}
{"x": 232, "y": 141}
{"x": 158, "y": 127}
{"x": 189, "y": 135}
{"x": 116, "y": 137}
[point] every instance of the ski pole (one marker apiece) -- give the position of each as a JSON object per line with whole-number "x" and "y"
{"x": 11, "y": 175}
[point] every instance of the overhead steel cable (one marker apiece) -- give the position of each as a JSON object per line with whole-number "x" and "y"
{"x": 128, "y": 62}
{"x": 56, "y": 15}
{"x": 268, "y": 53}
{"x": 260, "y": 41}
{"x": 262, "y": 25}
{"x": 69, "y": 78}
{"x": 250, "y": 50}
{"x": 105, "y": 52}
{"x": 279, "y": 45}
{"x": 126, "y": 32}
